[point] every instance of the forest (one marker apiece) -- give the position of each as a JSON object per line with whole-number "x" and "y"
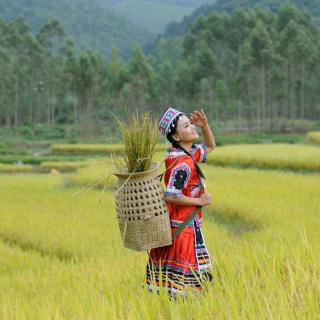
{"x": 87, "y": 23}
{"x": 256, "y": 67}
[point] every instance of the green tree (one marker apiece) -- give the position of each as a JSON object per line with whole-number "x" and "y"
{"x": 261, "y": 51}
{"x": 88, "y": 87}
{"x": 141, "y": 78}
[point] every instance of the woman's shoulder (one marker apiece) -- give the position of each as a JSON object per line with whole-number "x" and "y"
{"x": 174, "y": 152}
{"x": 175, "y": 156}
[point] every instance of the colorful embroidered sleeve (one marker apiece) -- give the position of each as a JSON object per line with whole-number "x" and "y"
{"x": 200, "y": 152}
{"x": 179, "y": 178}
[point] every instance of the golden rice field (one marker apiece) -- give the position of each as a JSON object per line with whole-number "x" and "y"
{"x": 11, "y": 168}
{"x": 268, "y": 156}
{"x": 104, "y": 149}
{"x": 62, "y": 256}
{"x": 63, "y": 166}
{"x": 297, "y": 157}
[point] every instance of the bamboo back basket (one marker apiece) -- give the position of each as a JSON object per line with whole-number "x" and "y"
{"x": 142, "y": 212}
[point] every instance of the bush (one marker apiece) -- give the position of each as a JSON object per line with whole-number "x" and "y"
{"x": 49, "y": 132}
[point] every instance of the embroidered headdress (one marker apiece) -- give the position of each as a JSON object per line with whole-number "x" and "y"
{"x": 169, "y": 116}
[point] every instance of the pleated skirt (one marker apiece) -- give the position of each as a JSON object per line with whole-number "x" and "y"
{"x": 184, "y": 265}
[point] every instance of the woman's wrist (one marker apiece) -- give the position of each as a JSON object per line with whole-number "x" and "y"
{"x": 205, "y": 126}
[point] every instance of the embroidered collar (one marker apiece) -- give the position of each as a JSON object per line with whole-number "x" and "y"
{"x": 176, "y": 152}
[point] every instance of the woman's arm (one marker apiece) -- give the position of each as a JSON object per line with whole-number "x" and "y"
{"x": 208, "y": 138}
{"x": 203, "y": 200}
{"x": 199, "y": 119}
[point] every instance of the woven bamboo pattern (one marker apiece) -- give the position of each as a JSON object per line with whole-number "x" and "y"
{"x": 142, "y": 212}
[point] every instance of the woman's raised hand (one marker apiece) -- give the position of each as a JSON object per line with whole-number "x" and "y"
{"x": 198, "y": 118}
{"x": 205, "y": 199}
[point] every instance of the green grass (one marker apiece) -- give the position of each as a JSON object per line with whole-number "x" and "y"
{"x": 62, "y": 255}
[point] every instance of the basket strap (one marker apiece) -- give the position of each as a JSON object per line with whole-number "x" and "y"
{"x": 184, "y": 223}
{"x": 161, "y": 175}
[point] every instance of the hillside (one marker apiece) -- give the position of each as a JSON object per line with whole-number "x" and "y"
{"x": 181, "y": 28}
{"x": 102, "y": 24}
{"x": 90, "y": 25}
{"x": 153, "y": 15}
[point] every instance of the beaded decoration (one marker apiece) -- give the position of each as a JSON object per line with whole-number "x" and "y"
{"x": 169, "y": 116}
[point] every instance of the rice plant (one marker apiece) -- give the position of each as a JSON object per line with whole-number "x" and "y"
{"x": 314, "y": 136}
{"x": 282, "y": 156}
{"x": 12, "y": 168}
{"x": 139, "y": 135}
{"x": 62, "y": 256}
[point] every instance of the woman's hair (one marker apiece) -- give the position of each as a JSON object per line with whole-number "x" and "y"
{"x": 173, "y": 130}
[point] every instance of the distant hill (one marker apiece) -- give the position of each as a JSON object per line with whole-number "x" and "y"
{"x": 181, "y": 28}
{"x": 153, "y": 15}
{"x": 89, "y": 24}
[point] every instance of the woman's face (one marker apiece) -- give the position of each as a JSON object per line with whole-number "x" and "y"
{"x": 186, "y": 131}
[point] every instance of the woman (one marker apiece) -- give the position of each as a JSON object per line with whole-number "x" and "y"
{"x": 186, "y": 263}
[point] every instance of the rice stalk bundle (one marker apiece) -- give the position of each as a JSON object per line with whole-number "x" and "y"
{"x": 140, "y": 139}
